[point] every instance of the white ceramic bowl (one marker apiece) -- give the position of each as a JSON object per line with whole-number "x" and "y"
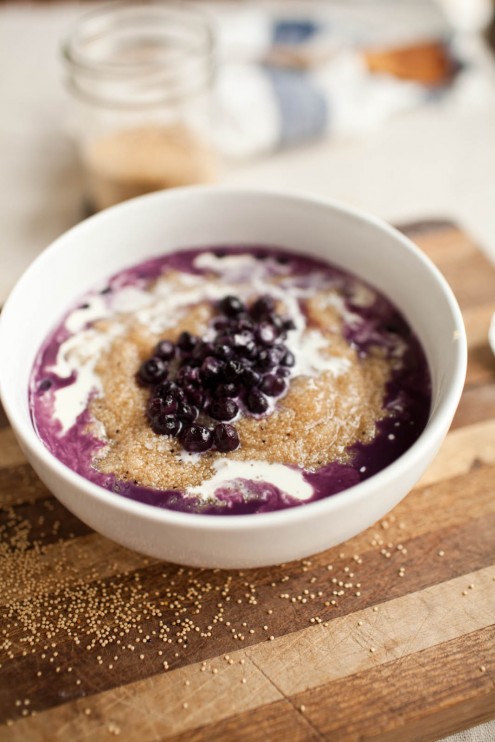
{"x": 165, "y": 221}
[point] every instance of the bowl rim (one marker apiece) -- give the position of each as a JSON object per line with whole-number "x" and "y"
{"x": 434, "y": 432}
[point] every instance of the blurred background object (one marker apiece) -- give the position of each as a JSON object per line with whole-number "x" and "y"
{"x": 385, "y": 104}
{"x": 294, "y": 72}
{"x": 162, "y": 88}
{"x": 141, "y": 76}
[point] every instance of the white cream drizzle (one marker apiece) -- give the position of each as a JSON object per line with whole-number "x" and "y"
{"x": 189, "y": 458}
{"x": 362, "y": 296}
{"x": 310, "y": 359}
{"x": 238, "y": 268}
{"x": 95, "y": 308}
{"x": 338, "y": 303}
{"x": 227, "y": 471}
{"x": 79, "y": 354}
{"x": 130, "y": 299}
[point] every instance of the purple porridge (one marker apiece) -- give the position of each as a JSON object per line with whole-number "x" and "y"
{"x": 230, "y": 380}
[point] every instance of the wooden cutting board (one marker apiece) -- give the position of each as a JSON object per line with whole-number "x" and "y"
{"x": 389, "y": 637}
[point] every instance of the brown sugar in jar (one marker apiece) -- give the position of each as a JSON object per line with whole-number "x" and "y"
{"x": 131, "y": 162}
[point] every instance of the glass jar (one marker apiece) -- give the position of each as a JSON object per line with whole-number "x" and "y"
{"x": 141, "y": 78}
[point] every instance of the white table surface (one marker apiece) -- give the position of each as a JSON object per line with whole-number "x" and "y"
{"x": 437, "y": 161}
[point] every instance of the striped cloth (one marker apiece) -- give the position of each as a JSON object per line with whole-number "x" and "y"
{"x": 283, "y": 81}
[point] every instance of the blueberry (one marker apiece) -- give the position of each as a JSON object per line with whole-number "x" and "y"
{"x": 226, "y": 390}
{"x": 289, "y": 359}
{"x": 194, "y": 377}
{"x": 182, "y": 373}
{"x": 165, "y": 350}
{"x": 244, "y": 323}
{"x": 256, "y": 402}
{"x": 187, "y": 342}
{"x": 273, "y": 385}
{"x": 162, "y": 406}
{"x": 266, "y": 334}
{"x": 283, "y": 371}
{"x": 269, "y": 358}
{"x": 196, "y": 438}
{"x": 211, "y": 370}
{"x": 225, "y": 437}
{"x": 194, "y": 395}
{"x": 170, "y": 404}
{"x": 225, "y": 338}
{"x": 202, "y": 350}
{"x": 189, "y": 375}
{"x": 165, "y": 388}
{"x": 180, "y": 394}
{"x": 187, "y": 412}
{"x": 152, "y": 371}
{"x": 250, "y": 377}
{"x": 166, "y": 425}
{"x": 250, "y": 350}
{"x": 262, "y": 306}
{"x": 223, "y": 409}
{"x": 155, "y": 407}
{"x": 231, "y": 306}
{"x": 241, "y": 340}
{"x": 233, "y": 369}
{"x": 224, "y": 352}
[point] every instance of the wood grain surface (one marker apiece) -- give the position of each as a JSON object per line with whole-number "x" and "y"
{"x": 390, "y": 636}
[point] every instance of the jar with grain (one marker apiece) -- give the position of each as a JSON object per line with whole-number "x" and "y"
{"x": 141, "y": 77}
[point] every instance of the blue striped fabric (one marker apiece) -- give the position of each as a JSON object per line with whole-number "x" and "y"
{"x": 303, "y": 110}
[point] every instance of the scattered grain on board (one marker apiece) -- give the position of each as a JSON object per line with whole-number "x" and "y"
{"x": 93, "y": 603}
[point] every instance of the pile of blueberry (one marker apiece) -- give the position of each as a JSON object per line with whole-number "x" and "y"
{"x": 246, "y": 362}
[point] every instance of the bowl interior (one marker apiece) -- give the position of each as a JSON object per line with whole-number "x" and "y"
{"x": 194, "y": 217}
